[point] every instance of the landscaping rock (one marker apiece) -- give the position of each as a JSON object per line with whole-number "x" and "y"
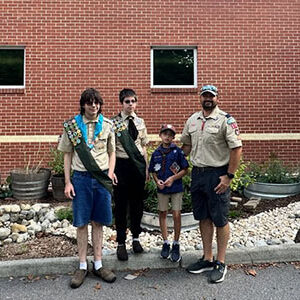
{"x": 18, "y": 228}
{"x": 236, "y": 199}
{"x": 4, "y": 233}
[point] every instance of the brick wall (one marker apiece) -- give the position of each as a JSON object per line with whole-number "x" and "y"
{"x": 248, "y": 48}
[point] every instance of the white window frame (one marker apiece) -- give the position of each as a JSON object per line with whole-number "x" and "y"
{"x": 24, "y": 67}
{"x": 194, "y": 48}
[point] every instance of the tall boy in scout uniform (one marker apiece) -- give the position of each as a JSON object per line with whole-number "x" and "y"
{"x": 88, "y": 143}
{"x": 211, "y": 137}
{"x": 131, "y": 171}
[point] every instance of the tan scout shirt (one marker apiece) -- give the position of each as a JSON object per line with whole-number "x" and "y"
{"x": 104, "y": 146}
{"x": 141, "y": 140}
{"x": 211, "y": 138}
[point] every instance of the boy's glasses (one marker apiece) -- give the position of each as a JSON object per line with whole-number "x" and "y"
{"x": 130, "y": 101}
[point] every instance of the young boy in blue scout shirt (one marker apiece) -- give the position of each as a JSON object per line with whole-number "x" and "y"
{"x": 168, "y": 165}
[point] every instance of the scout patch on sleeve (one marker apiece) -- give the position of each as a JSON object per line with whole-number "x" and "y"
{"x": 231, "y": 120}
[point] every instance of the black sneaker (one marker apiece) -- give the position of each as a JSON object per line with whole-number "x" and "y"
{"x": 175, "y": 253}
{"x": 219, "y": 272}
{"x": 165, "y": 251}
{"x": 136, "y": 247}
{"x": 200, "y": 266}
{"x": 122, "y": 252}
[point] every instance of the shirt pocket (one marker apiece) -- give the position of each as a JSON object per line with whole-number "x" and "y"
{"x": 194, "y": 134}
{"x": 211, "y": 135}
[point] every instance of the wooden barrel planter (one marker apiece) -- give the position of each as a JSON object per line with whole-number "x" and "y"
{"x": 30, "y": 186}
{"x": 58, "y": 187}
{"x": 150, "y": 221}
{"x": 271, "y": 190}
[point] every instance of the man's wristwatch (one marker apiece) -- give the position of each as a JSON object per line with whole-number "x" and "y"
{"x": 230, "y": 175}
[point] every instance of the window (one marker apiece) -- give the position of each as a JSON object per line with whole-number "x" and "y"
{"x": 174, "y": 67}
{"x": 12, "y": 67}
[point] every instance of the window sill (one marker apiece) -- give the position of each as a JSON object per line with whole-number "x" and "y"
{"x": 174, "y": 90}
{"x": 12, "y": 91}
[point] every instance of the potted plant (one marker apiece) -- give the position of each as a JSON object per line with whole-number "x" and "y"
{"x": 30, "y": 182}
{"x": 273, "y": 179}
{"x": 57, "y": 178}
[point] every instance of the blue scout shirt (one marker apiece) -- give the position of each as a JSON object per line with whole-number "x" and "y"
{"x": 166, "y": 162}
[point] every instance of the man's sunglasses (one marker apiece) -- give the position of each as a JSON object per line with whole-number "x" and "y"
{"x": 130, "y": 101}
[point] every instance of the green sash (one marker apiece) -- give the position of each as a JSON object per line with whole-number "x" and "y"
{"x": 85, "y": 155}
{"x": 129, "y": 146}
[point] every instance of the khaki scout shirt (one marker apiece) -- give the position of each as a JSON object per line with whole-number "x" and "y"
{"x": 211, "y": 138}
{"x": 141, "y": 140}
{"x": 103, "y": 147}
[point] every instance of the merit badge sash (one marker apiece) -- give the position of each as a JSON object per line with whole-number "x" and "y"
{"x": 76, "y": 135}
{"x": 129, "y": 146}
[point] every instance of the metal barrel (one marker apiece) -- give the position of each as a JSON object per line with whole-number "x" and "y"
{"x": 30, "y": 186}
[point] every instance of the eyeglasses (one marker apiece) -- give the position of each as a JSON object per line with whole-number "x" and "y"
{"x": 130, "y": 101}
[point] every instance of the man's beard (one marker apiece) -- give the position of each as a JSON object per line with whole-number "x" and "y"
{"x": 209, "y": 105}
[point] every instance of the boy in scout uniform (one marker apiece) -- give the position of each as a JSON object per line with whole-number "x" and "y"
{"x": 211, "y": 137}
{"x": 131, "y": 171}
{"x": 88, "y": 143}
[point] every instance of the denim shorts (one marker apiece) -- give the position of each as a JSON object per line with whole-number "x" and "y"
{"x": 92, "y": 201}
{"x": 207, "y": 204}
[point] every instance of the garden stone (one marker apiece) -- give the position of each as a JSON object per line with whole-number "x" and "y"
{"x": 31, "y": 232}
{"x": 18, "y": 228}
{"x": 65, "y": 223}
{"x": 51, "y": 216}
{"x": 35, "y": 227}
{"x": 38, "y": 206}
{"x": 14, "y": 217}
{"x": 260, "y": 243}
{"x": 236, "y": 199}
{"x": 46, "y": 224}
{"x": 199, "y": 247}
{"x": 273, "y": 242}
{"x": 22, "y": 238}
{"x": 6, "y": 208}
{"x": 249, "y": 244}
{"x": 233, "y": 204}
{"x": 15, "y": 208}
{"x": 4, "y": 218}
{"x": 237, "y": 245}
{"x": 25, "y": 206}
{"x": 4, "y": 233}
{"x": 7, "y": 241}
{"x": 14, "y": 236}
{"x": 25, "y": 222}
{"x": 56, "y": 224}
{"x": 30, "y": 215}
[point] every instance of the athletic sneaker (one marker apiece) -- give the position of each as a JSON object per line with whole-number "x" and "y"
{"x": 200, "y": 266}
{"x": 175, "y": 253}
{"x": 219, "y": 272}
{"x": 165, "y": 251}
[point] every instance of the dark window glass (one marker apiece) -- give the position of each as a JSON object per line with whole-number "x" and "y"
{"x": 173, "y": 67}
{"x": 11, "y": 67}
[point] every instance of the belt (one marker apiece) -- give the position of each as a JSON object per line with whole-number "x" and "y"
{"x": 205, "y": 169}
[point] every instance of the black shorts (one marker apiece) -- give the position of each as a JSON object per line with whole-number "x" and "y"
{"x": 207, "y": 204}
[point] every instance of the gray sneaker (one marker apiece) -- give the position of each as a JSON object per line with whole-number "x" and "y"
{"x": 218, "y": 273}
{"x": 200, "y": 266}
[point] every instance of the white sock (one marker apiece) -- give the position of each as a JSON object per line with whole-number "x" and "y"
{"x": 136, "y": 239}
{"x": 175, "y": 243}
{"x": 97, "y": 264}
{"x": 83, "y": 265}
{"x": 166, "y": 242}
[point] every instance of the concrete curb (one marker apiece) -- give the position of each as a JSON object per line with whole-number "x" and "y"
{"x": 65, "y": 265}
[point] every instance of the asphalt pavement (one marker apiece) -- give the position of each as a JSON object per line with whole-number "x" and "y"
{"x": 275, "y": 282}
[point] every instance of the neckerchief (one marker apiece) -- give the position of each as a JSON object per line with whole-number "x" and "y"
{"x": 164, "y": 152}
{"x": 83, "y": 128}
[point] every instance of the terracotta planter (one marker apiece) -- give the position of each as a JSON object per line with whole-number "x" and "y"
{"x": 271, "y": 190}
{"x": 150, "y": 221}
{"x": 30, "y": 186}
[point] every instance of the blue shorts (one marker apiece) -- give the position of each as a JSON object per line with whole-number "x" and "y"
{"x": 207, "y": 204}
{"x": 92, "y": 201}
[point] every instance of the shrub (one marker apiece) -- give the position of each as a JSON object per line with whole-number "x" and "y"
{"x": 65, "y": 213}
{"x": 57, "y": 162}
{"x": 274, "y": 171}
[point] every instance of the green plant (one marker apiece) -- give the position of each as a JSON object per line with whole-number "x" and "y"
{"x": 5, "y": 190}
{"x": 57, "y": 161}
{"x": 65, "y": 213}
{"x": 234, "y": 214}
{"x": 274, "y": 171}
{"x": 241, "y": 178}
